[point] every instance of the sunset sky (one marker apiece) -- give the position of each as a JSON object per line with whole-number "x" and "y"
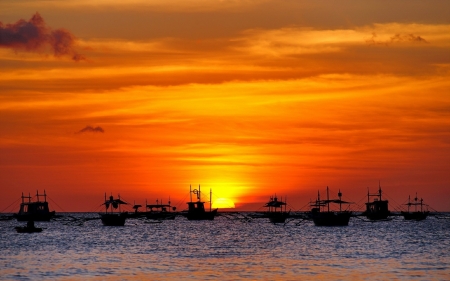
{"x": 249, "y": 98}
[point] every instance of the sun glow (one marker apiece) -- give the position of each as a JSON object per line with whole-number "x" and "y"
{"x": 223, "y": 203}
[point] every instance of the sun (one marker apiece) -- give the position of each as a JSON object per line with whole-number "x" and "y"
{"x": 223, "y": 203}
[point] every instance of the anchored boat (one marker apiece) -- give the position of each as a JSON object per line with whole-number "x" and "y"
{"x": 112, "y": 218}
{"x": 323, "y": 216}
{"x": 416, "y": 215}
{"x": 160, "y": 211}
{"x": 34, "y": 211}
{"x": 196, "y": 209}
{"x": 378, "y": 209}
{"x": 274, "y": 214}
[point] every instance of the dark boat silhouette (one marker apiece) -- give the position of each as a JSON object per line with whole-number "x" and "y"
{"x": 275, "y": 211}
{"x": 34, "y": 211}
{"x": 378, "y": 208}
{"x": 29, "y": 228}
{"x": 323, "y": 216}
{"x": 416, "y": 215}
{"x": 112, "y": 218}
{"x": 196, "y": 209}
{"x": 160, "y": 211}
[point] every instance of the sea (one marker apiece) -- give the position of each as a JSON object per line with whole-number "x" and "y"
{"x": 229, "y": 248}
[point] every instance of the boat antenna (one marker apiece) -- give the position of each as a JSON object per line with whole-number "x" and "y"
{"x": 190, "y": 191}
{"x": 379, "y": 188}
{"x": 210, "y": 196}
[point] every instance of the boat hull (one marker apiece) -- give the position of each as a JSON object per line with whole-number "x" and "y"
{"x": 331, "y": 218}
{"x": 34, "y": 217}
{"x": 278, "y": 217}
{"x": 377, "y": 216}
{"x": 198, "y": 216}
{"x": 418, "y": 216}
{"x": 161, "y": 216}
{"x": 113, "y": 219}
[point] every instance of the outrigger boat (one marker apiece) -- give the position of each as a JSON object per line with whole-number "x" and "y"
{"x": 322, "y": 217}
{"x": 378, "y": 209}
{"x": 34, "y": 211}
{"x": 196, "y": 210}
{"x": 416, "y": 215}
{"x": 273, "y": 214}
{"x": 29, "y": 228}
{"x": 111, "y": 218}
{"x": 161, "y": 212}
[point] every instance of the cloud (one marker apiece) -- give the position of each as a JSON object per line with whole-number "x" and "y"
{"x": 90, "y": 129}
{"x": 396, "y": 38}
{"x": 34, "y": 35}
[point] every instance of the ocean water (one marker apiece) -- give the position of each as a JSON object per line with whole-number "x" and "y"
{"x": 227, "y": 249}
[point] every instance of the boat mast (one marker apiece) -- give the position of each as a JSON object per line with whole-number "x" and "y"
{"x": 328, "y": 200}
{"x": 409, "y": 202}
{"x": 415, "y": 205}
{"x": 210, "y": 196}
{"x": 340, "y": 200}
{"x": 379, "y": 189}
{"x": 190, "y": 191}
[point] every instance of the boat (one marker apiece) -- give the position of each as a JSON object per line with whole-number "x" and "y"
{"x": 196, "y": 209}
{"x": 34, "y": 211}
{"x": 29, "y": 228}
{"x": 378, "y": 208}
{"x": 161, "y": 212}
{"x": 416, "y": 215}
{"x": 323, "y": 216}
{"x": 275, "y": 215}
{"x": 112, "y": 218}
{"x": 136, "y": 214}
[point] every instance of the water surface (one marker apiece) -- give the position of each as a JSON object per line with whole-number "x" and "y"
{"x": 226, "y": 249}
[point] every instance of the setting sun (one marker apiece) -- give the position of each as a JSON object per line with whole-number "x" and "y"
{"x": 223, "y": 203}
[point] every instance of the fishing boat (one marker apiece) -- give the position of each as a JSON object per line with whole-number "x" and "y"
{"x": 196, "y": 209}
{"x": 160, "y": 211}
{"x": 378, "y": 208}
{"x": 34, "y": 211}
{"x": 112, "y": 218}
{"x": 29, "y": 228}
{"x": 136, "y": 214}
{"x": 323, "y": 216}
{"x": 416, "y": 215}
{"x": 275, "y": 211}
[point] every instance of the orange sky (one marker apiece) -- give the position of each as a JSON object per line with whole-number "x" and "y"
{"x": 249, "y": 98}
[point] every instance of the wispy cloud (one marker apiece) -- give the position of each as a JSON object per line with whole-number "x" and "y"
{"x": 90, "y": 129}
{"x": 34, "y": 35}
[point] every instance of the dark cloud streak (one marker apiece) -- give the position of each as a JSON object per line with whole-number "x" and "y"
{"x": 34, "y": 35}
{"x": 90, "y": 129}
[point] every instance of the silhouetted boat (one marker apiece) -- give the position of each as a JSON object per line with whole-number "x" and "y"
{"x": 378, "y": 209}
{"x": 416, "y": 215}
{"x": 111, "y": 218}
{"x": 34, "y": 211}
{"x": 196, "y": 210}
{"x": 160, "y": 211}
{"x": 136, "y": 213}
{"x": 322, "y": 217}
{"x": 275, "y": 215}
{"x": 29, "y": 228}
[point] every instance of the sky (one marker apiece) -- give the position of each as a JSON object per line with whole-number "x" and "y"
{"x": 250, "y": 98}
